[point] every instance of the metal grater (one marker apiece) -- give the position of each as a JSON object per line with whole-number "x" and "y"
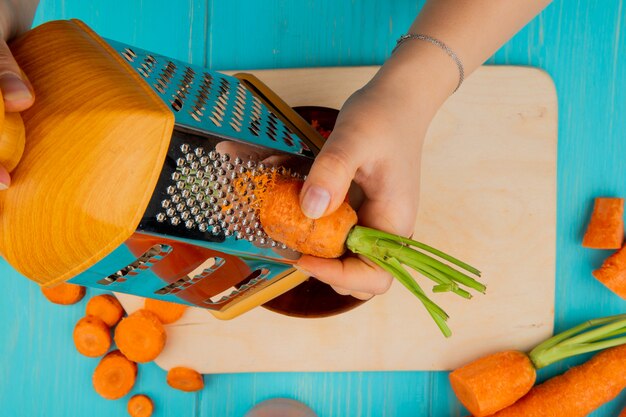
{"x": 199, "y": 242}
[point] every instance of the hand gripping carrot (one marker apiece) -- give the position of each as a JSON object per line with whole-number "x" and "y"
{"x": 496, "y": 381}
{"x": 140, "y": 336}
{"x": 276, "y": 197}
{"x": 106, "y": 307}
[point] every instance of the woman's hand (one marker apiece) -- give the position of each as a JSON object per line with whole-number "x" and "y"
{"x": 16, "y": 16}
{"x": 376, "y": 142}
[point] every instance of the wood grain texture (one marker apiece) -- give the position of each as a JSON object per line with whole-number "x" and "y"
{"x": 97, "y": 138}
{"x": 580, "y": 43}
{"x": 488, "y": 197}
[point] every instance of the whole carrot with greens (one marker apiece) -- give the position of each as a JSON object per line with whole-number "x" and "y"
{"x": 577, "y": 392}
{"x": 497, "y": 381}
{"x": 277, "y": 200}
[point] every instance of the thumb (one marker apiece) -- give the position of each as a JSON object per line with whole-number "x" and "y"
{"x": 14, "y": 86}
{"x": 328, "y": 181}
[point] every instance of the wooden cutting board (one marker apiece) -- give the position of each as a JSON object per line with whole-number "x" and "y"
{"x": 488, "y": 196}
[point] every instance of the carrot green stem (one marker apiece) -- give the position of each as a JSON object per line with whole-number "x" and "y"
{"x": 393, "y": 253}
{"x": 587, "y": 337}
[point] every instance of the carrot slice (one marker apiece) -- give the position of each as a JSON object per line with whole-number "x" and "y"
{"x": 140, "y": 406}
{"x": 612, "y": 273}
{"x": 623, "y": 413}
{"x": 114, "y": 376}
{"x": 166, "y": 312}
{"x": 64, "y": 293}
{"x": 606, "y": 227}
{"x": 140, "y": 336}
{"x": 185, "y": 379}
{"x": 92, "y": 337}
{"x": 480, "y": 385}
{"x": 106, "y": 307}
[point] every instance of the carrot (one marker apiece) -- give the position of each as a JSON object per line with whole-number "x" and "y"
{"x": 493, "y": 382}
{"x": 282, "y": 220}
{"x": 276, "y": 198}
{"x": 606, "y": 227}
{"x": 114, "y": 376}
{"x": 612, "y": 273}
{"x": 140, "y": 406}
{"x": 497, "y": 381}
{"x": 140, "y": 336}
{"x": 92, "y": 337}
{"x": 623, "y": 413}
{"x": 185, "y": 379}
{"x": 106, "y": 307}
{"x": 166, "y": 312}
{"x": 578, "y": 391}
{"x": 64, "y": 293}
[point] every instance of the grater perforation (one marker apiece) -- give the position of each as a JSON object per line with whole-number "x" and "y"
{"x": 151, "y": 256}
{"x": 212, "y": 99}
{"x": 200, "y": 240}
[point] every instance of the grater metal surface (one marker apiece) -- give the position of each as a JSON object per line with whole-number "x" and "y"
{"x": 200, "y": 241}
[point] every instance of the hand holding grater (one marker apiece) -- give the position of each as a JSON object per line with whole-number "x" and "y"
{"x": 126, "y": 179}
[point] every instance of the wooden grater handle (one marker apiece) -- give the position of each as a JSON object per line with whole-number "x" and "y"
{"x": 12, "y": 138}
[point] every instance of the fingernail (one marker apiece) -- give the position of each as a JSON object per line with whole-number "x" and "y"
{"x": 315, "y": 202}
{"x": 3, "y": 186}
{"x": 13, "y": 88}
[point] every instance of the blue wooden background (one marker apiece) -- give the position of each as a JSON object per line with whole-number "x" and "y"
{"x": 580, "y": 43}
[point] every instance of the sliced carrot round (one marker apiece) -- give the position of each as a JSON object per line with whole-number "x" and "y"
{"x": 140, "y": 406}
{"x": 140, "y": 336}
{"x": 114, "y": 376}
{"x": 64, "y": 293}
{"x": 106, "y": 307}
{"x": 166, "y": 312}
{"x": 92, "y": 337}
{"x": 185, "y": 379}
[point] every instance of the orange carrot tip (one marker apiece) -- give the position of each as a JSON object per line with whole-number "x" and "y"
{"x": 277, "y": 199}
{"x": 497, "y": 381}
{"x": 185, "y": 379}
{"x": 64, "y": 293}
{"x": 606, "y": 227}
{"x": 140, "y": 406}
{"x": 106, "y": 307}
{"x": 92, "y": 336}
{"x": 166, "y": 312}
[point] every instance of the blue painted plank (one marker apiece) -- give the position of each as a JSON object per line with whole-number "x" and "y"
{"x": 278, "y": 34}
{"x": 155, "y": 25}
{"x": 579, "y": 43}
